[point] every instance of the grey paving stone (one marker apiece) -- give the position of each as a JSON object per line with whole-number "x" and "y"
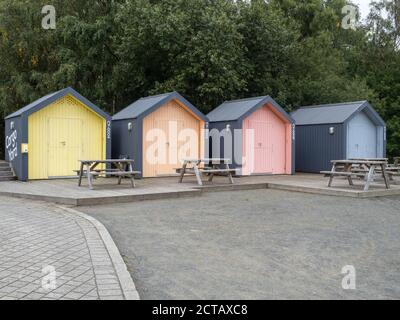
{"x": 36, "y": 235}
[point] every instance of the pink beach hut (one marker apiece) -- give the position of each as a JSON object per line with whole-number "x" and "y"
{"x": 256, "y": 134}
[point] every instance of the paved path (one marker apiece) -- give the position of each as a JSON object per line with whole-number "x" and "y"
{"x": 38, "y": 238}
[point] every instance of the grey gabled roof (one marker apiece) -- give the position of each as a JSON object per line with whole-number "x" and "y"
{"x": 240, "y": 109}
{"x": 334, "y": 113}
{"x": 52, "y": 97}
{"x": 145, "y": 106}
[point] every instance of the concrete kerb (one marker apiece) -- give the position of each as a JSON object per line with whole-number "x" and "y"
{"x": 334, "y": 192}
{"x": 57, "y": 200}
{"x": 127, "y": 285}
{"x": 136, "y": 198}
{"x": 196, "y": 191}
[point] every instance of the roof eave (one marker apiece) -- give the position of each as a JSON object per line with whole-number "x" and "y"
{"x": 376, "y": 118}
{"x": 57, "y": 96}
{"x": 268, "y": 99}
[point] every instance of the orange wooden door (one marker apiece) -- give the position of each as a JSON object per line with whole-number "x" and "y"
{"x": 170, "y": 134}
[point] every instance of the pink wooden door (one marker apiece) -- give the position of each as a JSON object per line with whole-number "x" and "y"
{"x": 262, "y": 149}
{"x": 270, "y": 143}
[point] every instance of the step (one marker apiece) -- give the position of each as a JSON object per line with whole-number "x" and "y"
{"x": 4, "y": 164}
{"x": 6, "y": 174}
{"x": 7, "y": 178}
{"x": 5, "y": 169}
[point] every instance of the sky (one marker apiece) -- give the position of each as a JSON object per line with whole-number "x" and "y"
{"x": 364, "y": 7}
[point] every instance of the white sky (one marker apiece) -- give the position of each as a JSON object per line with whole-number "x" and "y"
{"x": 364, "y": 7}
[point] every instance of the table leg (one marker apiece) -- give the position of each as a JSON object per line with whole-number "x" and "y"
{"x": 183, "y": 171}
{"x": 198, "y": 175}
{"x": 349, "y": 178}
{"x": 229, "y": 174}
{"x": 89, "y": 177}
{"x": 385, "y": 177}
{"x": 131, "y": 175}
{"x": 332, "y": 175}
{"x": 80, "y": 175}
{"x": 120, "y": 169}
{"x": 211, "y": 175}
{"x": 370, "y": 177}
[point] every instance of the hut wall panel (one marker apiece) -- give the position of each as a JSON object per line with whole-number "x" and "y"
{"x": 218, "y": 131}
{"x": 316, "y": 147}
{"x": 16, "y": 160}
{"x": 122, "y": 145}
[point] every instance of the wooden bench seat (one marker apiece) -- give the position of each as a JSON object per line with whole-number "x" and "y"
{"x": 84, "y": 171}
{"x": 338, "y": 173}
{"x": 359, "y": 170}
{"x": 179, "y": 170}
{"x": 115, "y": 173}
{"x": 217, "y": 170}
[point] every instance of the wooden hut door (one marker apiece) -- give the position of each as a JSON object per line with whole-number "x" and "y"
{"x": 269, "y": 155}
{"x": 64, "y": 146}
{"x": 262, "y": 147}
{"x": 163, "y": 133}
{"x": 170, "y": 151}
{"x": 362, "y": 138}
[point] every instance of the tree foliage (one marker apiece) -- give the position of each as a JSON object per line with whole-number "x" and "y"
{"x": 115, "y": 51}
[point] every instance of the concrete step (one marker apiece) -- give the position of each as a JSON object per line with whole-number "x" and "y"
{"x": 6, "y": 174}
{"x": 7, "y": 178}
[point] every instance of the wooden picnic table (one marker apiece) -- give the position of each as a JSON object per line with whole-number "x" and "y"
{"x": 351, "y": 168}
{"x": 370, "y": 159}
{"x": 212, "y": 167}
{"x": 124, "y": 168}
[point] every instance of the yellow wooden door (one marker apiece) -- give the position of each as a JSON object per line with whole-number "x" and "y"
{"x": 65, "y": 146}
{"x": 60, "y": 135}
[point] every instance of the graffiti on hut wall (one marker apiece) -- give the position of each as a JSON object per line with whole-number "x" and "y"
{"x": 11, "y": 144}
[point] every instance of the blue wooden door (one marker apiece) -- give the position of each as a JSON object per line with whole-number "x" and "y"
{"x": 362, "y": 137}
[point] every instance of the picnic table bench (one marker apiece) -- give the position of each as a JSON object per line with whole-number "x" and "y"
{"x": 352, "y": 168}
{"x": 123, "y": 169}
{"x": 390, "y": 171}
{"x": 212, "y": 167}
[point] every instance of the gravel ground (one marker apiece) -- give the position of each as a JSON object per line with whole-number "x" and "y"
{"x": 261, "y": 244}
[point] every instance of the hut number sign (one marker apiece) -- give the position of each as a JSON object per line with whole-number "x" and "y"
{"x": 11, "y": 145}
{"x": 108, "y": 129}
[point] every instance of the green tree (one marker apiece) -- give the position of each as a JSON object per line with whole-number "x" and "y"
{"x": 115, "y": 51}
{"x": 378, "y": 63}
{"x": 192, "y": 46}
